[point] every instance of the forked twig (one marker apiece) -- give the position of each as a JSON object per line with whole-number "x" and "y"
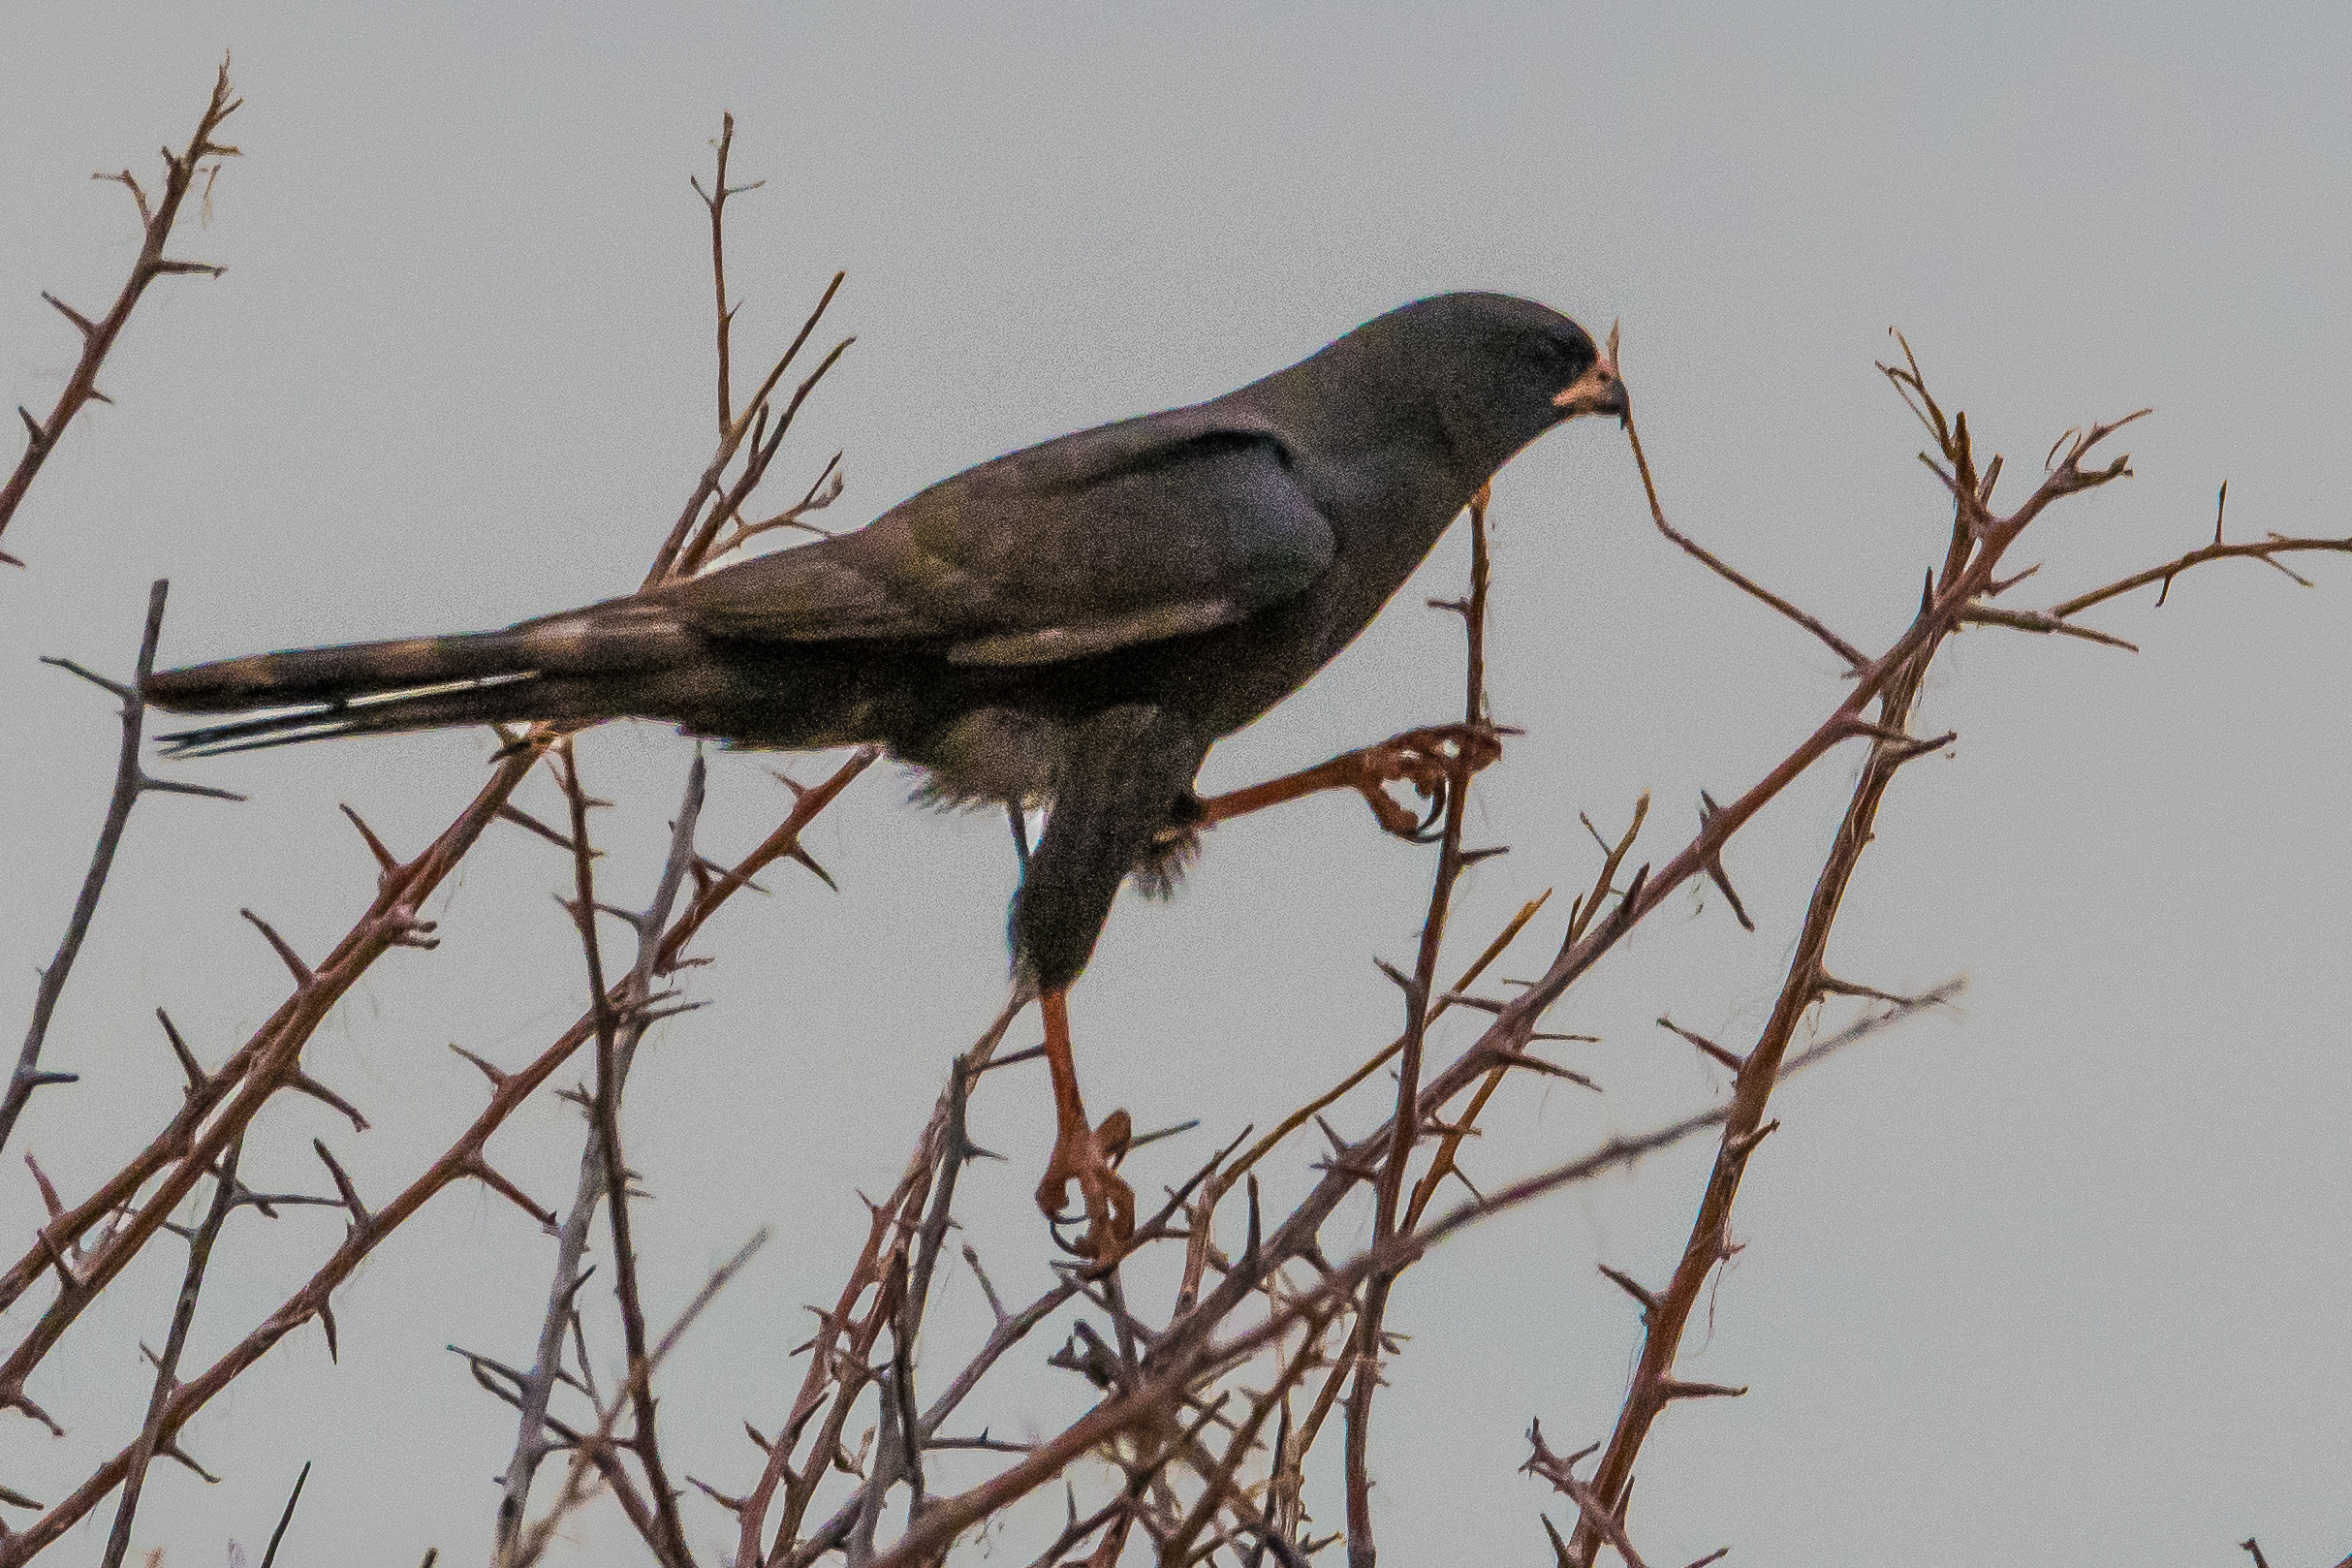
{"x": 533, "y": 1543}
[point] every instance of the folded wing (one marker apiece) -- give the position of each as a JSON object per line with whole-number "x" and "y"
{"x": 1159, "y": 527}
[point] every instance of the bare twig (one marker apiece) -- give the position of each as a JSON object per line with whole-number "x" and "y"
{"x": 1388, "y": 1201}
{"x": 1188, "y": 1351}
{"x": 1892, "y": 681}
{"x": 616, "y": 1051}
{"x": 268, "y": 1061}
{"x": 166, "y": 1365}
{"x": 715, "y": 199}
{"x": 1854, "y": 657}
{"x": 131, "y": 781}
{"x": 615, "y": 1056}
{"x": 2042, "y": 621}
{"x": 823, "y": 491}
{"x": 271, "y": 1556}
{"x": 2266, "y": 550}
{"x": 453, "y": 1164}
{"x": 534, "y": 1542}
{"x": 1561, "y": 1473}
{"x": 98, "y": 336}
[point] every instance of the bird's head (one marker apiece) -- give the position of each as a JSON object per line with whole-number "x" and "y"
{"x": 1499, "y": 370}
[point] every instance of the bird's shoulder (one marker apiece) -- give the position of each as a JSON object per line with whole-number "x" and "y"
{"x": 1203, "y": 497}
{"x": 1172, "y": 439}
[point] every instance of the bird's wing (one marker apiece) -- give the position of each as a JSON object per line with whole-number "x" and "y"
{"x": 1153, "y": 528}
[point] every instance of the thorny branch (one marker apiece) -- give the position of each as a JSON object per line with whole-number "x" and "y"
{"x": 254, "y": 1070}
{"x": 1653, "y": 1386}
{"x": 619, "y": 1027}
{"x": 1186, "y": 1440}
{"x": 1854, "y": 657}
{"x": 89, "y": 1244}
{"x": 166, "y": 1365}
{"x": 1184, "y": 1353}
{"x": 603, "y": 1173}
{"x": 603, "y": 1176}
{"x": 617, "y": 1043}
{"x": 585, "y": 1453}
{"x": 1390, "y": 1189}
{"x": 98, "y": 336}
{"x": 131, "y": 781}
{"x": 462, "y": 1160}
{"x": 1979, "y": 539}
{"x": 2266, "y": 549}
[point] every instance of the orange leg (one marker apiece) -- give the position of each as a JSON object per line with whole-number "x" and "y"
{"x": 1083, "y": 1153}
{"x": 1424, "y": 759}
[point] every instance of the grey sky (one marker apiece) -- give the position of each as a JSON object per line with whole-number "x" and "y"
{"x": 2059, "y": 1279}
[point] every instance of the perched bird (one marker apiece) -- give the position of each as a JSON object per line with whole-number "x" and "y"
{"x": 1072, "y": 625}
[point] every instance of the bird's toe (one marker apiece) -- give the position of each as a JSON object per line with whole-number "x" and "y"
{"x": 1087, "y": 1157}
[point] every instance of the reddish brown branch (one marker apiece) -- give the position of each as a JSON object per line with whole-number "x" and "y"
{"x": 683, "y": 552}
{"x": 770, "y": 428}
{"x": 106, "y": 1231}
{"x": 2266, "y": 549}
{"x": 258, "y": 1070}
{"x": 268, "y": 1060}
{"x": 1894, "y": 682}
{"x": 1187, "y": 1351}
{"x": 1854, "y": 657}
{"x": 98, "y": 336}
{"x": 451, "y": 1167}
{"x": 534, "y": 1390}
{"x": 715, "y": 199}
{"x": 1388, "y": 1201}
{"x": 593, "y": 1451}
{"x": 2043, "y": 622}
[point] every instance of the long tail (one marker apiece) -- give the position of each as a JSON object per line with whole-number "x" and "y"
{"x": 578, "y": 666}
{"x": 521, "y": 699}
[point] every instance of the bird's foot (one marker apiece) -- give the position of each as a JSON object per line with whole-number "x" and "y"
{"x": 1427, "y": 759}
{"x": 1088, "y": 1156}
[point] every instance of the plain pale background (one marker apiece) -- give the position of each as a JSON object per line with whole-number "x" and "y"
{"x": 2058, "y": 1277}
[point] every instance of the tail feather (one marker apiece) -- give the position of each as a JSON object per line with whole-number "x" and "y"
{"x": 620, "y": 635}
{"x": 521, "y": 699}
{"x": 577, "y": 667}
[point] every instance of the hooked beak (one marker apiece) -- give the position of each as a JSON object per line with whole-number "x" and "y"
{"x": 1598, "y": 390}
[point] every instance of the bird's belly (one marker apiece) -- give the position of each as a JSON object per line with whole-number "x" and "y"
{"x": 990, "y": 753}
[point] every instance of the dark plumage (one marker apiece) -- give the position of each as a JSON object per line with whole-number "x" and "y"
{"x": 1074, "y": 624}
